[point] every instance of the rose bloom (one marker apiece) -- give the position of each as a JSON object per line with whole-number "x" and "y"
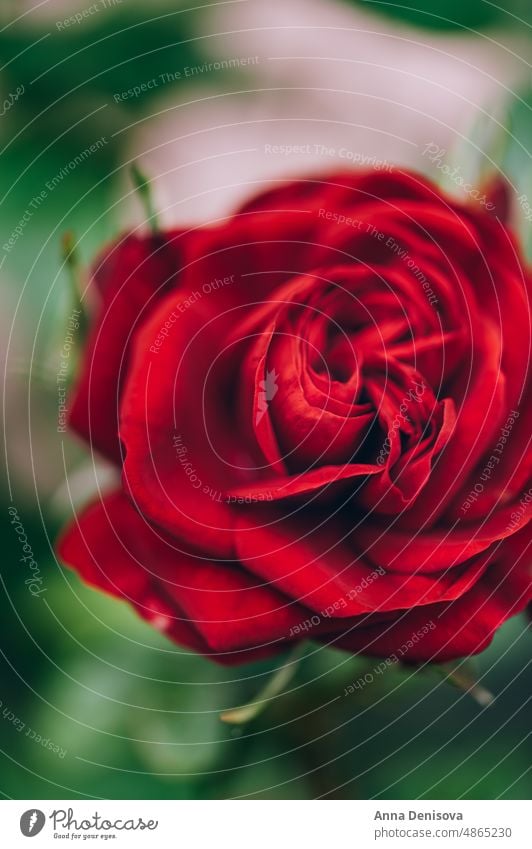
{"x": 321, "y": 409}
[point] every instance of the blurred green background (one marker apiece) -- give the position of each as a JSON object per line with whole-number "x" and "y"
{"x": 132, "y": 715}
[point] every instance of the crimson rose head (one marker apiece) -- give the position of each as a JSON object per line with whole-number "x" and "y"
{"x": 321, "y": 409}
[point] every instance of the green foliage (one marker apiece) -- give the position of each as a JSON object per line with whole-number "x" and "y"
{"x": 453, "y": 14}
{"x": 69, "y": 73}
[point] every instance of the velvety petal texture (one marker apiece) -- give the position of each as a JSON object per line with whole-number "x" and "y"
{"x": 322, "y": 412}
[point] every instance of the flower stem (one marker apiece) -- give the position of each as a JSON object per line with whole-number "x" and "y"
{"x": 143, "y": 187}
{"x": 72, "y": 262}
{"x": 273, "y": 688}
{"x": 464, "y": 676}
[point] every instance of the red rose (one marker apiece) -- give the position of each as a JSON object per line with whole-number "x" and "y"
{"x": 322, "y": 411}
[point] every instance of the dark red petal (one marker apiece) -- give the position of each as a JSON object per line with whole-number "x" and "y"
{"x": 438, "y": 548}
{"x": 341, "y": 191}
{"x": 130, "y": 277}
{"x": 319, "y": 569}
{"x": 461, "y": 627}
{"x": 101, "y": 546}
{"x": 211, "y": 607}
